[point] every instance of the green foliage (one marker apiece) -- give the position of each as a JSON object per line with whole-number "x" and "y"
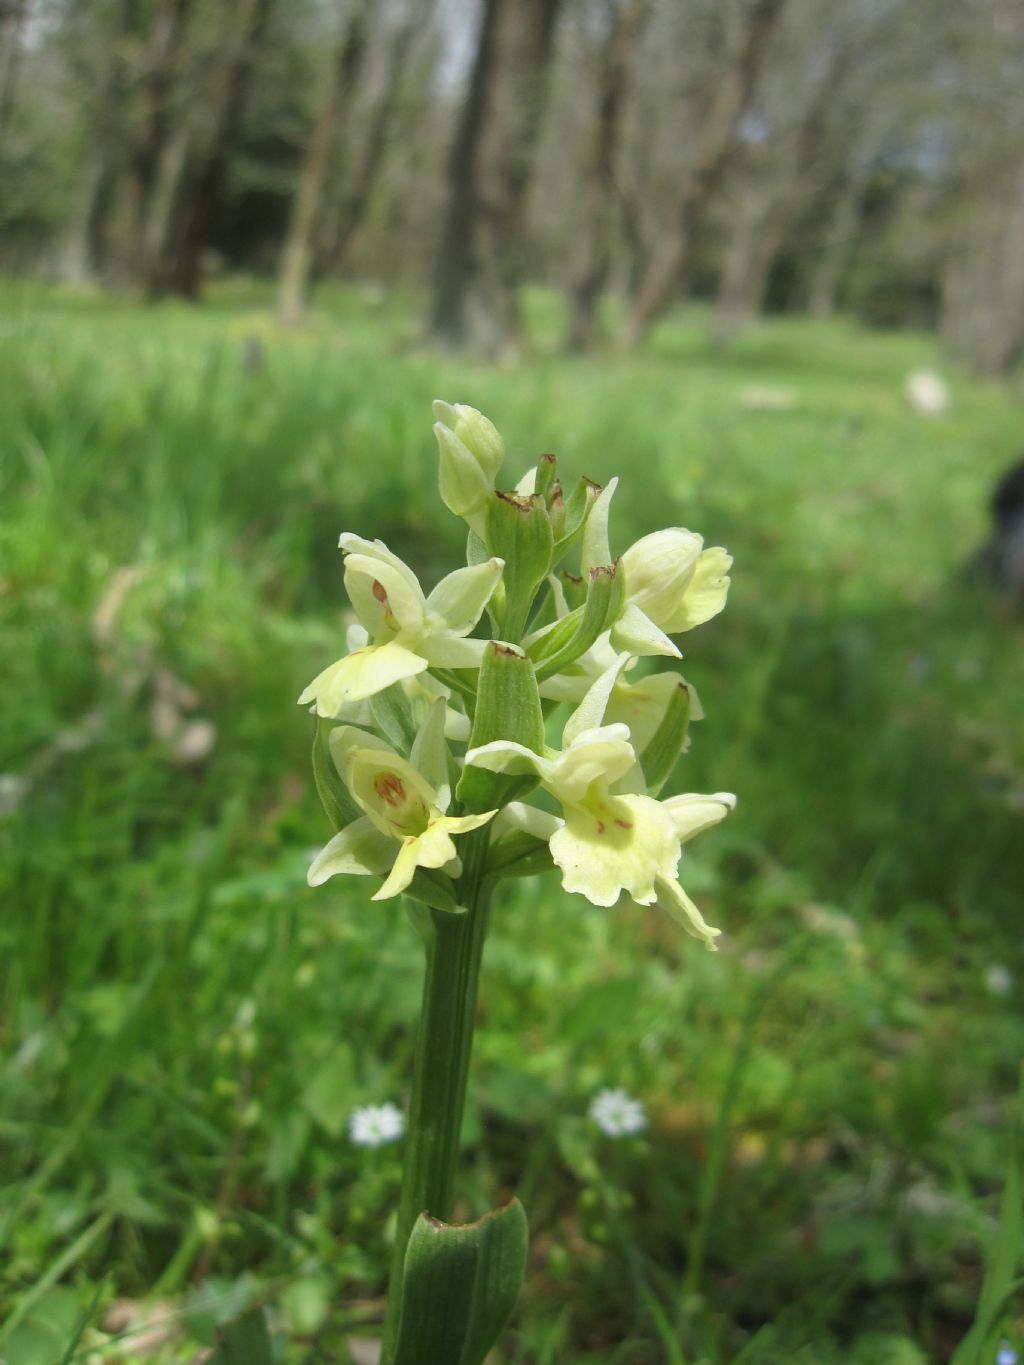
{"x": 1003, "y": 1262}
{"x": 185, "y": 1028}
{"x": 246, "y": 1341}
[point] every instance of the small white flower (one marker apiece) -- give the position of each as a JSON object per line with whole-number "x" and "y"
{"x": 1006, "y": 1355}
{"x": 999, "y": 979}
{"x": 617, "y": 1114}
{"x": 373, "y": 1125}
{"x": 13, "y": 788}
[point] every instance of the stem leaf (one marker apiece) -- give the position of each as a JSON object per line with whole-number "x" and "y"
{"x": 460, "y": 1286}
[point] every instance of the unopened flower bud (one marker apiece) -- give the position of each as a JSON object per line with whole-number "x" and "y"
{"x": 472, "y": 452}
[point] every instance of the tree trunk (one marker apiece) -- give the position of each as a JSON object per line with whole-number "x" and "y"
{"x": 85, "y": 251}
{"x": 297, "y": 257}
{"x": 775, "y": 195}
{"x": 738, "y": 283}
{"x": 828, "y": 271}
{"x": 590, "y": 267}
{"x": 983, "y": 298}
{"x": 356, "y": 196}
{"x": 477, "y": 275}
{"x": 193, "y": 215}
{"x": 715, "y": 141}
{"x": 12, "y": 23}
{"x": 843, "y": 225}
{"x": 161, "y": 70}
{"x": 168, "y": 192}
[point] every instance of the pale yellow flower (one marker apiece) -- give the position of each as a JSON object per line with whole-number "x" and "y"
{"x": 672, "y": 582}
{"x": 405, "y": 825}
{"x": 611, "y": 841}
{"x": 406, "y": 632}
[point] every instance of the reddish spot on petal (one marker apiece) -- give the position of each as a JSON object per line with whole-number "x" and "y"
{"x": 600, "y": 827}
{"x": 624, "y": 824}
{"x": 390, "y": 788}
{"x": 379, "y": 591}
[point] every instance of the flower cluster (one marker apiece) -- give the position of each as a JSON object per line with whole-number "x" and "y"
{"x": 433, "y": 725}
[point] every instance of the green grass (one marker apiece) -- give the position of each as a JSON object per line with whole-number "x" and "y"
{"x": 185, "y": 1027}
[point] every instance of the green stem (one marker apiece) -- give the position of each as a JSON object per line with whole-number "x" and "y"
{"x": 454, "y": 947}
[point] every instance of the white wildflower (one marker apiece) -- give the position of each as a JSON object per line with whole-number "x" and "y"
{"x": 373, "y": 1125}
{"x": 617, "y": 1114}
{"x": 999, "y": 979}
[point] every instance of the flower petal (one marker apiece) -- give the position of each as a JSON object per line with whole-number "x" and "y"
{"x": 590, "y": 712}
{"x": 709, "y": 587}
{"x": 398, "y": 799}
{"x": 458, "y": 601}
{"x": 517, "y": 815}
{"x": 426, "y": 688}
{"x": 642, "y": 705}
{"x": 361, "y": 675}
{"x": 457, "y": 726}
{"x": 358, "y": 850}
{"x": 387, "y": 599}
{"x": 462, "y": 824}
{"x": 675, "y": 902}
{"x": 637, "y": 633}
{"x": 344, "y": 740}
{"x": 602, "y": 756}
{"x": 352, "y": 544}
{"x": 692, "y": 813}
{"x": 382, "y": 557}
{"x": 452, "y": 651}
{"x": 506, "y": 756}
{"x": 402, "y": 872}
{"x": 658, "y": 572}
{"x": 429, "y": 754}
{"x": 568, "y": 686}
{"x": 615, "y": 844}
{"x": 528, "y": 483}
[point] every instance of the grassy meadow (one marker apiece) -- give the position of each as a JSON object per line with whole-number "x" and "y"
{"x": 185, "y": 1028}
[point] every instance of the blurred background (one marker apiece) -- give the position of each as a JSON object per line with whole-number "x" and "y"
{"x": 765, "y": 260}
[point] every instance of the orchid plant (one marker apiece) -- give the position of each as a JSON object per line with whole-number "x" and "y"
{"x": 435, "y": 759}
